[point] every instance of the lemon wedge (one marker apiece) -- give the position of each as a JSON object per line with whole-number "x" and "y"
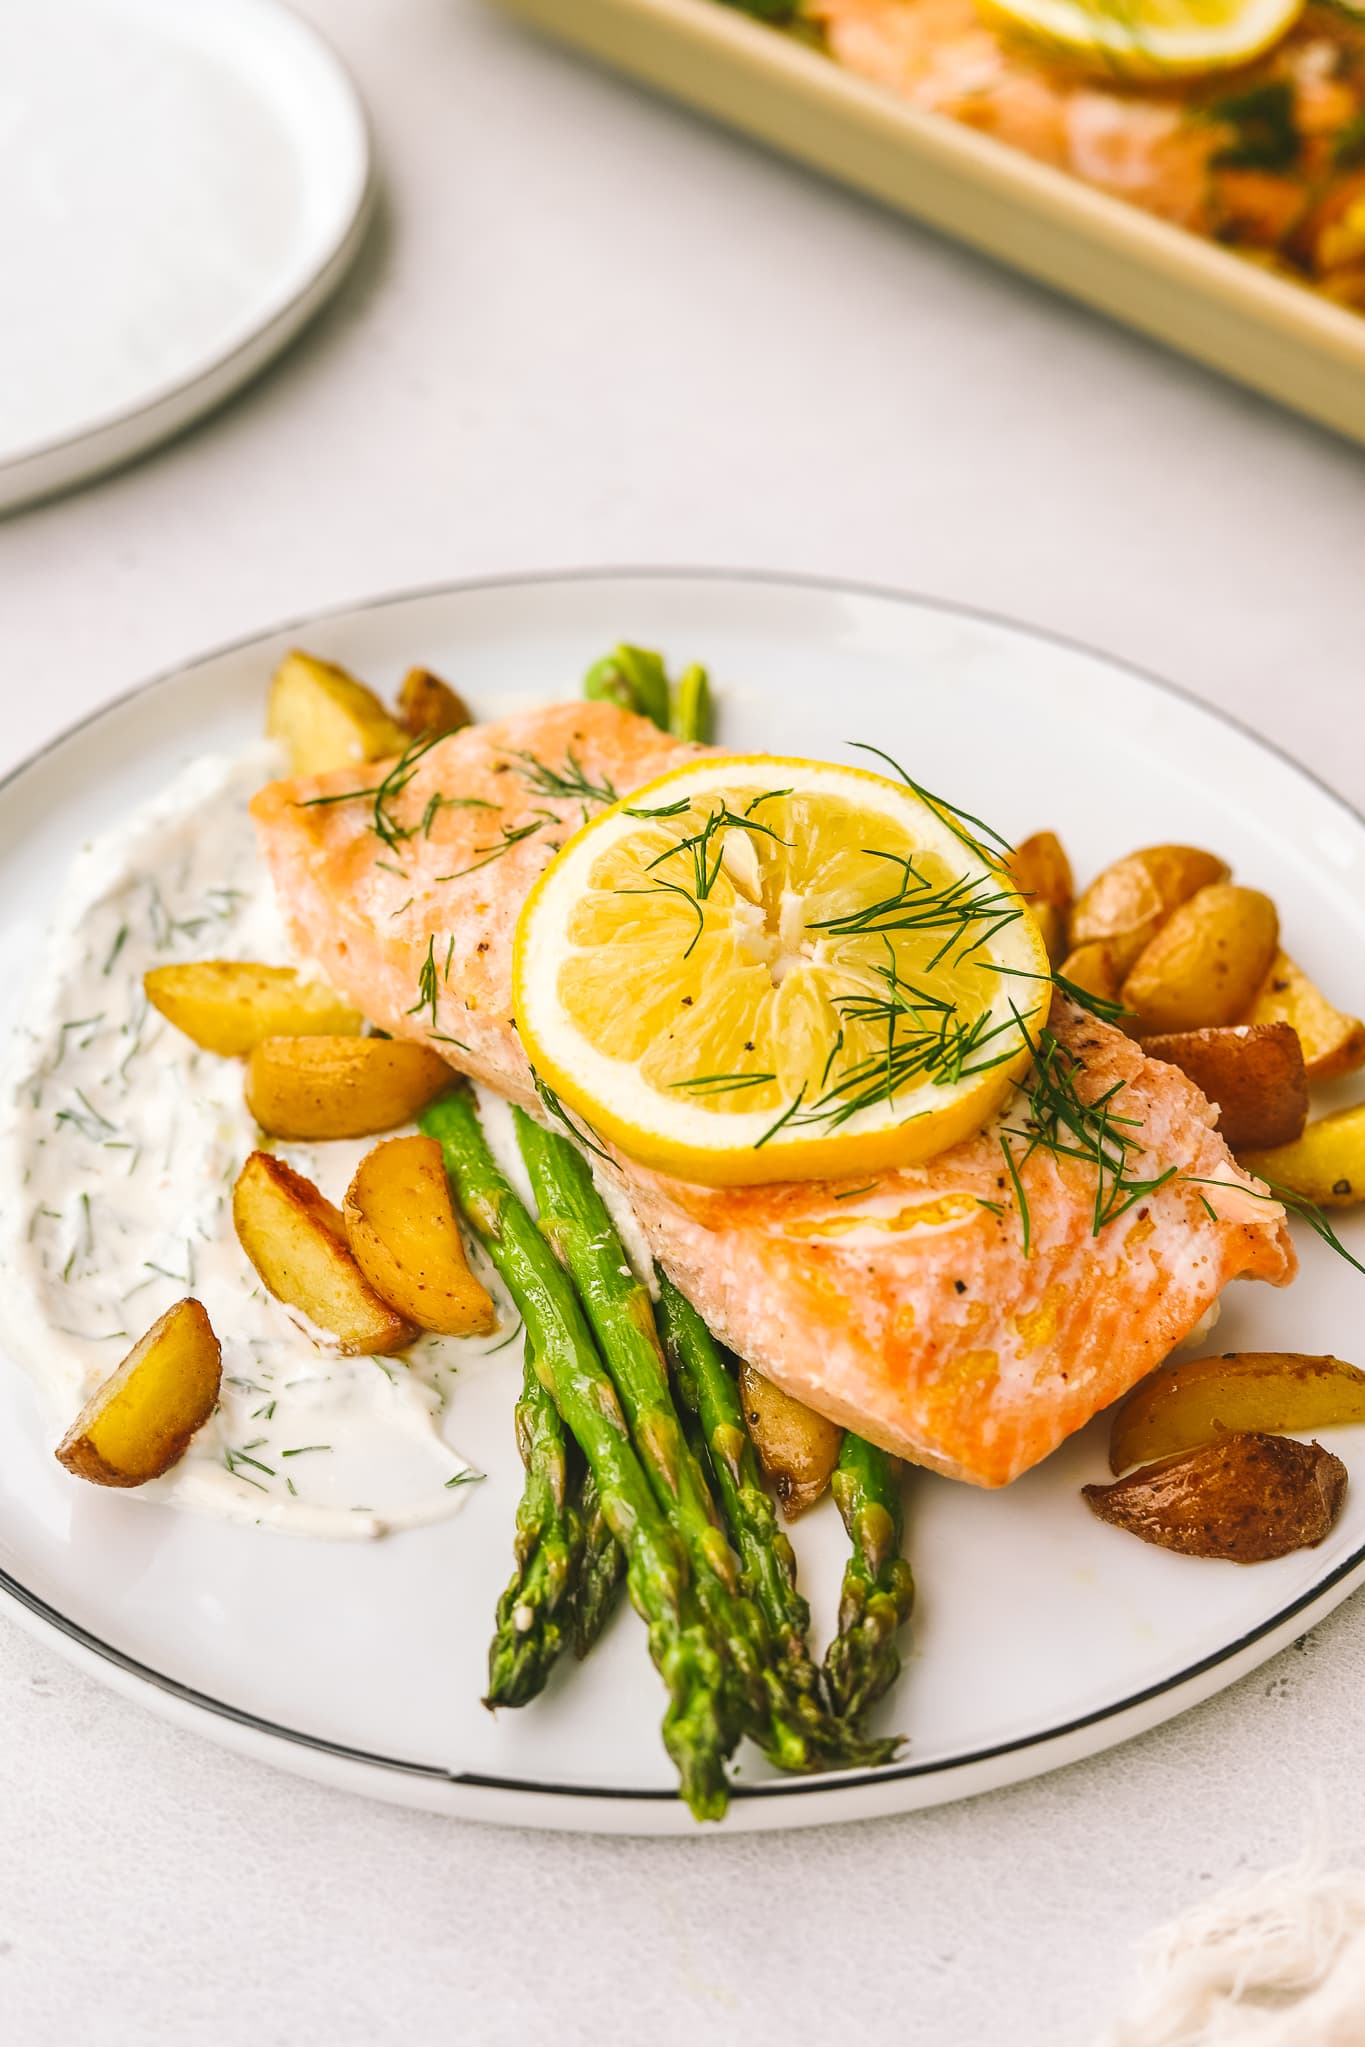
{"x": 1151, "y": 39}
{"x": 767, "y": 969}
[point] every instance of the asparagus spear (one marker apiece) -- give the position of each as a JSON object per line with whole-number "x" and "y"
{"x": 535, "y": 1613}
{"x": 863, "y": 1661}
{"x": 634, "y": 678}
{"x": 693, "y": 717}
{"x": 707, "y": 1389}
{"x": 767, "y": 1563}
{"x": 789, "y": 1722}
{"x": 599, "y": 1572}
{"x": 572, "y": 1373}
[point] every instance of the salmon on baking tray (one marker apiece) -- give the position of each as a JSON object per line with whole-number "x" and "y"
{"x": 910, "y": 1308}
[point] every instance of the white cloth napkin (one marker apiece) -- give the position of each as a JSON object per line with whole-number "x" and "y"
{"x": 1278, "y": 1961}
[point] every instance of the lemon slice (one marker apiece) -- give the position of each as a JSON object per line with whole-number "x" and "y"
{"x": 765, "y": 969}
{"x": 1152, "y": 39}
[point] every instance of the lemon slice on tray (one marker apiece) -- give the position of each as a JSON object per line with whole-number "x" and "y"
{"x": 766, "y": 969}
{"x": 1151, "y": 39}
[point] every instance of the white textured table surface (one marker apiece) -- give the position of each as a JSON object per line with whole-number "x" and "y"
{"x": 591, "y": 329}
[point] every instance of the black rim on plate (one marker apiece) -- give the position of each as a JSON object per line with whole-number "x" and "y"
{"x": 781, "y": 1788}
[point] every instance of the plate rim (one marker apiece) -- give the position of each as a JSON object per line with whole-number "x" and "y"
{"x": 216, "y": 1717}
{"x": 112, "y": 438}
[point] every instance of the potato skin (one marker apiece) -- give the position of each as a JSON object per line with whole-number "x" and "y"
{"x": 228, "y": 1006}
{"x": 428, "y": 706}
{"x": 1333, "y": 1043}
{"x": 326, "y": 719}
{"x": 1041, "y": 872}
{"x": 402, "y": 1230}
{"x": 1201, "y": 1399}
{"x": 310, "y": 1088}
{"x": 1205, "y": 964}
{"x": 1092, "y": 967}
{"x": 296, "y": 1240}
{"x": 139, "y": 1421}
{"x": 1252, "y": 1073}
{"x": 1128, "y": 901}
{"x": 1246, "y": 1498}
{"x": 1326, "y": 1165}
{"x": 796, "y": 1447}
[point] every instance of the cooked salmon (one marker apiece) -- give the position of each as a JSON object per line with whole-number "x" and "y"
{"x": 1267, "y": 160}
{"x": 911, "y": 1307}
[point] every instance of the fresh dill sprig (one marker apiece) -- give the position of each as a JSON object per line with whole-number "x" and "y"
{"x": 384, "y": 823}
{"x": 1307, "y": 1211}
{"x": 556, "y": 1108}
{"x": 954, "y": 818}
{"x": 959, "y": 908}
{"x": 696, "y": 845}
{"x": 87, "y": 1119}
{"x": 436, "y": 803}
{"x": 1021, "y": 1198}
{"x": 568, "y": 784}
{"x": 120, "y": 940}
{"x": 512, "y": 835}
{"x": 427, "y": 991}
{"x": 792, "y": 1110}
{"x": 721, "y": 1083}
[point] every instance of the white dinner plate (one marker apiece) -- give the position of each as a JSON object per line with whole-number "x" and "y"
{"x": 1040, "y": 1635}
{"x": 185, "y": 182}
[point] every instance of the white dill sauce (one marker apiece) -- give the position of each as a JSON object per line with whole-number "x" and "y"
{"x": 116, "y": 1170}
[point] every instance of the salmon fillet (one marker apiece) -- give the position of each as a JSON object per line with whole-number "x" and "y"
{"x": 910, "y": 1308}
{"x": 1263, "y": 160}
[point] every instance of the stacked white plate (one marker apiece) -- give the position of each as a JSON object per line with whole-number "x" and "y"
{"x": 185, "y": 182}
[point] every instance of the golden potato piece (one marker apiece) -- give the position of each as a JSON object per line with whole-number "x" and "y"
{"x": 326, "y": 718}
{"x": 1245, "y": 1498}
{"x": 1252, "y": 1073}
{"x": 1042, "y": 873}
{"x": 1332, "y": 1042}
{"x": 1206, "y": 962}
{"x": 308, "y": 1088}
{"x": 1093, "y": 967}
{"x": 1273, "y": 1392}
{"x": 796, "y": 1447}
{"x": 1128, "y": 902}
{"x": 1325, "y": 1166}
{"x": 400, "y": 1223}
{"x": 426, "y": 705}
{"x": 139, "y": 1422}
{"x": 296, "y": 1239}
{"x": 229, "y": 1006}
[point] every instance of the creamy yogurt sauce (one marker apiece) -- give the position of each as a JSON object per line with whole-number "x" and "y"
{"x": 116, "y": 1170}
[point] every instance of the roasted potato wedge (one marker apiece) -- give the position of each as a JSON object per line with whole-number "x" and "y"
{"x": 796, "y": 1447}
{"x": 1252, "y": 1073}
{"x": 1041, "y": 872}
{"x": 1128, "y": 901}
{"x": 1333, "y": 1043}
{"x": 401, "y": 1227}
{"x": 326, "y": 718}
{"x": 428, "y": 706}
{"x": 308, "y": 1088}
{"x": 1245, "y": 1498}
{"x": 1206, "y": 962}
{"x": 1272, "y": 1392}
{"x": 1325, "y": 1166}
{"x": 229, "y": 1006}
{"x": 296, "y": 1239}
{"x": 1093, "y": 967}
{"x": 139, "y": 1422}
